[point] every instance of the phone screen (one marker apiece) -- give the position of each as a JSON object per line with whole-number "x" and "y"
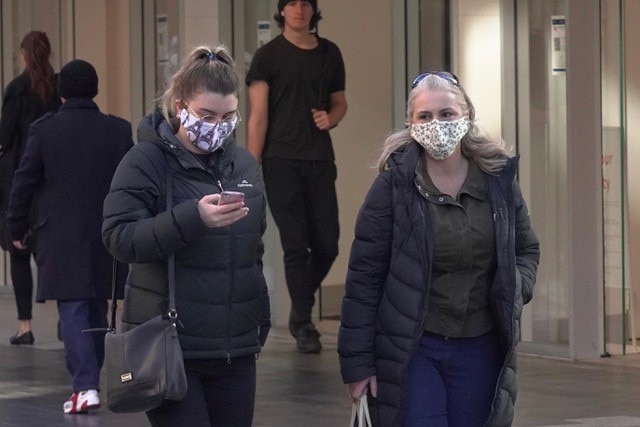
{"x": 227, "y": 197}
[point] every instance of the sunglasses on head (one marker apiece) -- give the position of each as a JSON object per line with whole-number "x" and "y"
{"x": 442, "y": 74}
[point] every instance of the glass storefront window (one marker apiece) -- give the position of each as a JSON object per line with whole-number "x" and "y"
{"x": 167, "y": 42}
{"x": 619, "y": 186}
{"x": 259, "y": 28}
{"x": 543, "y": 142}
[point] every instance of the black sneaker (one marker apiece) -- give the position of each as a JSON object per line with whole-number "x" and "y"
{"x": 308, "y": 339}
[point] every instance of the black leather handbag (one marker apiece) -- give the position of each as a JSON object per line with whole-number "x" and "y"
{"x": 144, "y": 366}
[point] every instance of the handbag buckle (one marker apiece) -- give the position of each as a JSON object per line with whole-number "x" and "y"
{"x": 126, "y": 377}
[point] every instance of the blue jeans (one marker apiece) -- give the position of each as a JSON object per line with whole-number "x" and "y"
{"x": 84, "y": 352}
{"x": 451, "y": 381}
{"x": 220, "y": 394}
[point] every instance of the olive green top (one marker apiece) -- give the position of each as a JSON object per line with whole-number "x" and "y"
{"x": 464, "y": 256}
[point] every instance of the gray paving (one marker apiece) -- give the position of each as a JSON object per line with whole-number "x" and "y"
{"x": 305, "y": 390}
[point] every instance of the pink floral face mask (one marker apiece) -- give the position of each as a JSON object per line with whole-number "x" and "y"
{"x": 440, "y": 138}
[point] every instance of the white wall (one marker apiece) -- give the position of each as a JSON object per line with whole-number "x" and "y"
{"x": 361, "y": 134}
{"x": 200, "y": 24}
{"x": 478, "y": 59}
{"x": 102, "y": 38}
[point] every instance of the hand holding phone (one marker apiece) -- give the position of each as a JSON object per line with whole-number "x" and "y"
{"x": 213, "y": 212}
{"x": 227, "y": 197}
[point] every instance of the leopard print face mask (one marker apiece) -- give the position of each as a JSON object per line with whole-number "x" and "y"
{"x": 440, "y": 138}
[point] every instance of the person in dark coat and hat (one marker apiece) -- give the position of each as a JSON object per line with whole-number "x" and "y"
{"x": 69, "y": 160}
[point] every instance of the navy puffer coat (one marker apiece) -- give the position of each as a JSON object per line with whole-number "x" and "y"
{"x": 385, "y": 302}
{"x": 221, "y": 293}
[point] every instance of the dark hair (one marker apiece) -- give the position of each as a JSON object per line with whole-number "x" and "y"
{"x": 36, "y": 51}
{"x": 313, "y": 24}
{"x": 207, "y": 69}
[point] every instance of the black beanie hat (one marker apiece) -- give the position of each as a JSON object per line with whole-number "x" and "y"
{"x": 78, "y": 79}
{"x": 283, "y": 3}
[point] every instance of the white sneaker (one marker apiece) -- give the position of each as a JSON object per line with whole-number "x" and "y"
{"x": 80, "y": 403}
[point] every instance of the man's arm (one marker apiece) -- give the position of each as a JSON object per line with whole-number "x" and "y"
{"x": 259, "y": 118}
{"x": 338, "y": 108}
{"x": 326, "y": 120}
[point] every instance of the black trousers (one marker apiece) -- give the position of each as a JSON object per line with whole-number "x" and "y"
{"x": 303, "y": 202}
{"x": 22, "y": 280}
{"x": 219, "y": 394}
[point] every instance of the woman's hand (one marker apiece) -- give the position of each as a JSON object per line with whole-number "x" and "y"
{"x": 358, "y": 388}
{"x": 214, "y": 215}
{"x": 19, "y": 245}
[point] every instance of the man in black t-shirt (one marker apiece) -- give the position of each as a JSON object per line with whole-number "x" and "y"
{"x": 296, "y": 92}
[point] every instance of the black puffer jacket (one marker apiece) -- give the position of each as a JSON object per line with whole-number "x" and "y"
{"x": 221, "y": 293}
{"x": 385, "y": 300}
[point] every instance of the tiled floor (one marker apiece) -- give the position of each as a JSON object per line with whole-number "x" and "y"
{"x": 305, "y": 390}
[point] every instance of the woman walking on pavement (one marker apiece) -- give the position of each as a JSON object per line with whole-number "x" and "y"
{"x": 27, "y": 97}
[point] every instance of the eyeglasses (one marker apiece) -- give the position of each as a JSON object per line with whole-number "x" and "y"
{"x": 442, "y": 74}
{"x": 211, "y": 119}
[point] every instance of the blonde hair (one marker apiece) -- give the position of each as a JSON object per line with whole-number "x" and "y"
{"x": 207, "y": 69}
{"x": 489, "y": 154}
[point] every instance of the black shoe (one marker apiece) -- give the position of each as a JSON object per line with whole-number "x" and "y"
{"x": 26, "y": 338}
{"x": 59, "y": 332}
{"x": 307, "y": 339}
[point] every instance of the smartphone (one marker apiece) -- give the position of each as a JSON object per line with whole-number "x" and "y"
{"x": 227, "y": 197}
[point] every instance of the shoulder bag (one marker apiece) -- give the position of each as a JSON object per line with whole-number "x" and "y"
{"x": 144, "y": 366}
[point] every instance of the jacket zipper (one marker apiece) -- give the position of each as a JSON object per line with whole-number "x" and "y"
{"x": 230, "y": 291}
{"x": 231, "y": 286}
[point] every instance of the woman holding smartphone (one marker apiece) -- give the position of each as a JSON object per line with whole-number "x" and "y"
{"x": 221, "y": 293}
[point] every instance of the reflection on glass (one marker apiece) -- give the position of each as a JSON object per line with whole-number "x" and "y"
{"x": 543, "y": 131}
{"x": 167, "y": 42}
{"x": 619, "y": 188}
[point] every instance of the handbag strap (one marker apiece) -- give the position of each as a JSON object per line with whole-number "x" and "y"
{"x": 171, "y": 268}
{"x": 171, "y": 264}
{"x": 114, "y": 300}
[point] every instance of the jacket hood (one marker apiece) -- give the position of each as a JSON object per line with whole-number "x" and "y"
{"x": 148, "y": 127}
